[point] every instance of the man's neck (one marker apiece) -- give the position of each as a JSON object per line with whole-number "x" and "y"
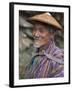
{"x": 46, "y": 47}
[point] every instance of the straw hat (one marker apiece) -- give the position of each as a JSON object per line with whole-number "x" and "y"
{"x": 45, "y": 18}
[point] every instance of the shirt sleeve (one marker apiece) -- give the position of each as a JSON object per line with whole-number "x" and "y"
{"x": 58, "y": 69}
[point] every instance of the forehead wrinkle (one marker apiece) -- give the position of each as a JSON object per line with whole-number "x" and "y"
{"x": 38, "y": 26}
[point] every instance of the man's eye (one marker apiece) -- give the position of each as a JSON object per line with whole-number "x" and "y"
{"x": 41, "y": 30}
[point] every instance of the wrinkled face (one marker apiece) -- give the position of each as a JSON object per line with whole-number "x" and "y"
{"x": 40, "y": 34}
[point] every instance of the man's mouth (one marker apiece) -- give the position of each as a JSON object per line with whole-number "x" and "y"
{"x": 38, "y": 38}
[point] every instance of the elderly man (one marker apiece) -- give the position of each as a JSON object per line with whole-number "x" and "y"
{"x": 49, "y": 59}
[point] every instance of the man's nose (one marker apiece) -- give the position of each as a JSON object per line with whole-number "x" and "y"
{"x": 37, "y": 33}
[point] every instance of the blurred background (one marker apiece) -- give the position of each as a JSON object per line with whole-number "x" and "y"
{"x": 26, "y": 49}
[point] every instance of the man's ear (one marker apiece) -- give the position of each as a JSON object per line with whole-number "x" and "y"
{"x": 52, "y": 34}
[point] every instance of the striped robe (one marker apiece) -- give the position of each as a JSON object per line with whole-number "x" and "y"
{"x": 42, "y": 67}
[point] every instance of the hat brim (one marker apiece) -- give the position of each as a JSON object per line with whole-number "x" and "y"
{"x": 33, "y": 22}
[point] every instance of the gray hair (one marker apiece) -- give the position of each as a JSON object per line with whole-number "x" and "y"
{"x": 51, "y": 29}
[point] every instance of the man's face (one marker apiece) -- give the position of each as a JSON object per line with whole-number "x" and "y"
{"x": 41, "y": 35}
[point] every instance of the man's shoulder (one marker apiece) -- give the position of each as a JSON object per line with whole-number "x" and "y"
{"x": 58, "y": 52}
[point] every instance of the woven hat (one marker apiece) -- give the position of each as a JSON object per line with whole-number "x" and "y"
{"x": 45, "y": 18}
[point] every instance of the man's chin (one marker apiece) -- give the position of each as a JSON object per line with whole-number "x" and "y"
{"x": 36, "y": 45}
